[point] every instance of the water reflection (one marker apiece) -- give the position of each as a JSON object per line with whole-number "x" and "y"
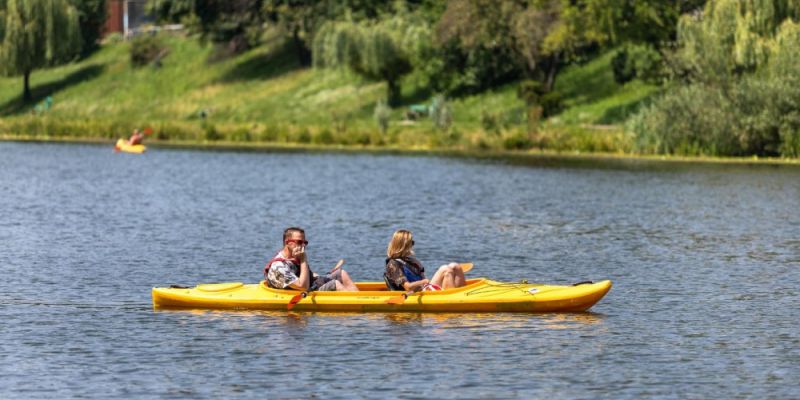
{"x": 482, "y": 321}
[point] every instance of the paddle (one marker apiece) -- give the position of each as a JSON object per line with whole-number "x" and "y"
{"x": 296, "y": 299}
{"x": 466, "y": 267}
{"x": 148, "y": 131}
{"x": 338, "y": 265}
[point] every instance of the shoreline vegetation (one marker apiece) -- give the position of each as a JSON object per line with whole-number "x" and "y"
{"x": 698, "y": 78}
{"x": 535, "y": 156}
{"x": 263, "y": 100}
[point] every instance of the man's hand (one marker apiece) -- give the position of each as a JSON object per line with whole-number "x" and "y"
{"x": 299, "y": 253}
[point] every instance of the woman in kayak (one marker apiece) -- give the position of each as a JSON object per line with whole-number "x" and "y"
{"x": 405, "y": 272}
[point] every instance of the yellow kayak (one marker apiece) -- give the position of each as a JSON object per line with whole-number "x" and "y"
{"x": 478, "y": 295}
{"x": 122, "y": 145}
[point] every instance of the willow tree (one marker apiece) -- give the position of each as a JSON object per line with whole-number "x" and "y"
{"x": 738, "y": 94}
{"x": 384, "y": 50}
{"x": 37, "y": 34}
{"x": 730, "y": 37}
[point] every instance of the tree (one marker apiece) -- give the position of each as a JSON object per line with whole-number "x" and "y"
{"x": 38, "y": 33}
{"x": 384, "y": 50}
{"x": 301, "y": 19}
{"x": 730, "y": 38}
{"x": 487, "y": 43}
{"x": 475, "y": 42}
{"x": 92, "y": 15}
{"x": 237, "y": 23}
{"x": 736, "y": 87}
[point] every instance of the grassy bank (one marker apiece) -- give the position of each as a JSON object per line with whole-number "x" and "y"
{"x": 263, "y": 96}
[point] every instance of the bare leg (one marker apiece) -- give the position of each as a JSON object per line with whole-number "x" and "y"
{"x": 444, "y": 277}
{"x": 458, "y": 275}
{"x": 347, "y": 283}
{"x": 449, "y": 276}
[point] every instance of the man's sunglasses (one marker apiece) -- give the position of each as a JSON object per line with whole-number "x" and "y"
{"x": 297, "y": 241}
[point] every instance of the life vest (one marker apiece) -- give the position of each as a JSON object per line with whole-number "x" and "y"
{"x": 410, "y": 275}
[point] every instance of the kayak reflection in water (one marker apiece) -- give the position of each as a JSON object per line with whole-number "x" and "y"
{"x": 289, "y": 268}
{"x": 405, "y": 272}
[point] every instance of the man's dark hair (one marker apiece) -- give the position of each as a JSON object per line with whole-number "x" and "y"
{"x": 288, "y": 232}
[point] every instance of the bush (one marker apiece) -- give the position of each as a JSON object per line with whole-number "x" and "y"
{"x": 324, "y": 137}
{"x": 210, "y": 132}
{"x": 240, "y": 134}
{"x": 754, "y": 115}
{"x": 145, "y": 49}
{"x": 638, "y": 61}
{"x": 271, "y": 133}
{"x": 382, "y": 114}
{"x": 622, "y": 68}
{"x": 689, "y": 120}
{"x": 551, "y": 103}
{"x": 517, "y": 141}
{"x": 441, "y": 112}
{"x": 304, "y": 136}
{"x": 490, "y": 122}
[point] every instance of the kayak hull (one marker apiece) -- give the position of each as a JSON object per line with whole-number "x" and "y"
{"x": 122, "y": 145}
{"x": 479, "y": 295}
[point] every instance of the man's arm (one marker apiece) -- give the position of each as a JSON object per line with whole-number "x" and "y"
{"x": 303, "y": 281}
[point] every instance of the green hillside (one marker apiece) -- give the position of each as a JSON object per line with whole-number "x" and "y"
{"x": 264, "y": 96}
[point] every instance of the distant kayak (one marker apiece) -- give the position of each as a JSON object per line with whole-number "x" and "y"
{"x": 122, "y": 145}
{"x": 478, "y": 295}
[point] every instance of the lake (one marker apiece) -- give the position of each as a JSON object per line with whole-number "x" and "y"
{"x": 704, "y": 258}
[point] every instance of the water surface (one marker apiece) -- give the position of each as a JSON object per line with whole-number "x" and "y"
{"x": 704, "y": 260}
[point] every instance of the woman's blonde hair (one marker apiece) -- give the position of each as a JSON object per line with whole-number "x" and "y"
{"x": 400, "y": 245}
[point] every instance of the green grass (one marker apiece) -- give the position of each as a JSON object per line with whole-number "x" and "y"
{"x": 264, "y": 95}
{"x": 592, "y": 96}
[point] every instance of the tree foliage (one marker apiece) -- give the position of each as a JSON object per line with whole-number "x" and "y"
{"x": 240, "y": 23}
{"x": 92, "y": 15}
{"x": 738, "y": 79}
{"x": 37, "y": 34}
{"x": 235, "y": 23}
{"x": 385, "y": 50}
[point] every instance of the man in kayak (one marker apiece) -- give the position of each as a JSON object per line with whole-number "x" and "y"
{"x": 289, "y": 268}
{"x": 136, "y": 138}
{"x": 405, "y": 272}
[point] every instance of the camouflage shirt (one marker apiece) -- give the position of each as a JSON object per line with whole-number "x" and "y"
{"x": 281, "y": 274}
{"x": 395, "y": 275}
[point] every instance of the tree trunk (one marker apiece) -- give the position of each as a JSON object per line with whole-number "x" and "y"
{"x": 534, "y": 116}
{"x": 26, "y": 94}
{"x": 393, "y": 92}
{"x": 551, "y": 73}
{"x": 302, "y": 52}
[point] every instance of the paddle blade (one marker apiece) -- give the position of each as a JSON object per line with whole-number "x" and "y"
{"x": 338, "y": 265}
{"x": 466, "y": 267}
{"x": 148, "y": 131}
{"x": 295, "y": 300}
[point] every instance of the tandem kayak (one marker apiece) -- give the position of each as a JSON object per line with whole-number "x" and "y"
{"x": 478, "y": 295}
{"x": 122, "y": 145}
